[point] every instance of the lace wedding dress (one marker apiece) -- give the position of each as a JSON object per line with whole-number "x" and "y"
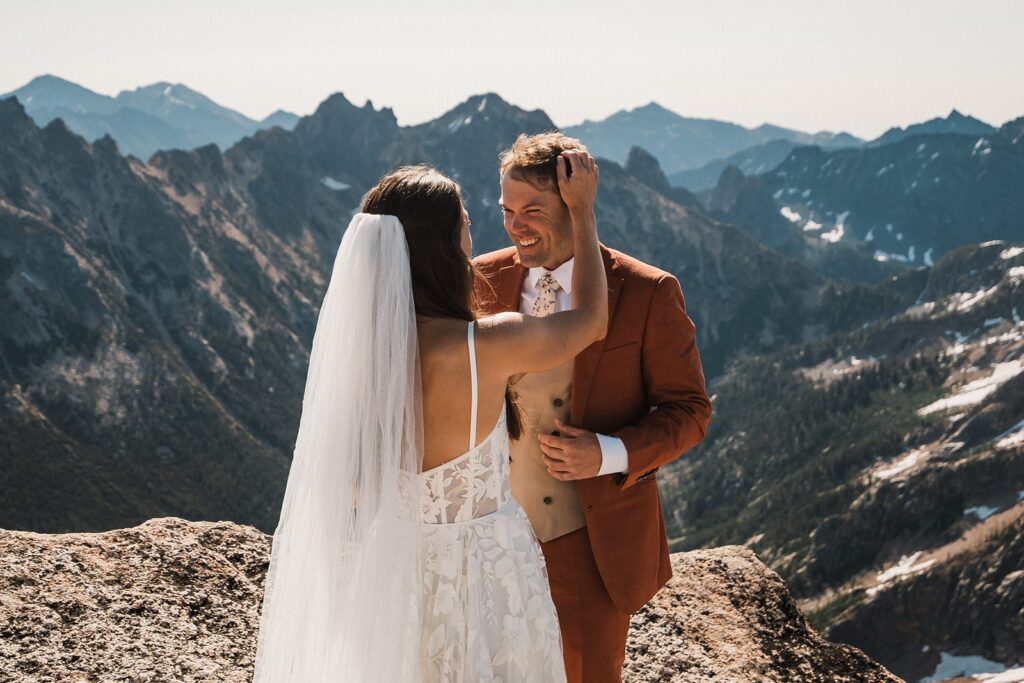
{"x": 487, "y": 612}
{"x": 380, "y": 572}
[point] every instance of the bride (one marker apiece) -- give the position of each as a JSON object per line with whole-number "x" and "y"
{"x": 400, "y": 555}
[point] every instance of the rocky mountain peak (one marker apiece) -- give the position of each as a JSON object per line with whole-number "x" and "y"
{"x": 58, "y": 130}
{"x": 177, "y": 91}
{"x": 190, "y": 166}
{"x": 338, "y": 115}
{"x": 729, "y": 184}
{"x": 279, "y": 112}
{"x": 495, "y": 110}
{"x": 48, "y": 96}
{"x": 13, "y": 117}
{"x": 108, "y": 146}
{"x": 651, "y": 113}
{"x": 955, "y": 123}
{"x": 643, "y": 166}
{"x": 654, "y": 108}
{"x": 51, "y": 79}
{"x": 336, "y": 104}
{"x": 1013, "y": 130}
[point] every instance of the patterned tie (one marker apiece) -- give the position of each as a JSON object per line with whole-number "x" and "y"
{"x": 545, "y": 303}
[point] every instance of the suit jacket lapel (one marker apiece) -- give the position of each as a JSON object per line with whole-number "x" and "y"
{"x": 509, "y": 287}
{"x": 586, "y": 362}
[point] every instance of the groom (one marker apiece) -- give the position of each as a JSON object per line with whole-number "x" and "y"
{"x": 596, "y": 430}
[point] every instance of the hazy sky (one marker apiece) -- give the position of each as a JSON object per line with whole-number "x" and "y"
{"x": 856, "y": 66}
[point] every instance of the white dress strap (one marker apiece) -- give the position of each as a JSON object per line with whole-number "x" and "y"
{"x": 472, "y": 373}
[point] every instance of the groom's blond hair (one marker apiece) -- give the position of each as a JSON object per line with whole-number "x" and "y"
{"x": 532, "y": 158}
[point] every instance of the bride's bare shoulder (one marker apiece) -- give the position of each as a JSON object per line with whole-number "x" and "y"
{"x": 441, "y": 339}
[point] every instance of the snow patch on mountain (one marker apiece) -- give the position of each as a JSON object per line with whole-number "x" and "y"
{"x": 975, "y": 666}
{"x": 790, "y": 215}
{"x": 906, "y": 566}
{"x": 1012, "y": 437}
{"x": 982, "y": 512}
{"x": 976, "y": 391}
{"x": 335, "y": 184}
{"x": 903, "y": 464}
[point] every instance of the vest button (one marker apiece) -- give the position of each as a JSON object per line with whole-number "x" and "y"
{"x": 547, "y": 500}
{"x": 557, "y": 402}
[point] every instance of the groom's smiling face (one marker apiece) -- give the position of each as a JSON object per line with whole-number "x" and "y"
{"x": 538, "y": 223}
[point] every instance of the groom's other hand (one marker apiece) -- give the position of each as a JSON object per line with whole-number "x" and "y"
{"x": 573, "y": 454}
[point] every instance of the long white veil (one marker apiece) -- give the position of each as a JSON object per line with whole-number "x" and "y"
{"x": 342, "y": 599}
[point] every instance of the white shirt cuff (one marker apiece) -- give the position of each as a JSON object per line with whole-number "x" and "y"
{"x": 614, "y": 457}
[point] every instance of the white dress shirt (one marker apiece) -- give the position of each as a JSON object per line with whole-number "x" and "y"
{"x": 614, "y": 457}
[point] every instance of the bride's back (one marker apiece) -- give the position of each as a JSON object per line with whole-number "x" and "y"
{"x": 447, "y": 392}
{"x": 429, "y": 206}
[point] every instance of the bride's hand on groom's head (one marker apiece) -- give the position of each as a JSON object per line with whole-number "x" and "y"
{"x": 578, "y": 175}
{"x": 574, "y": 454}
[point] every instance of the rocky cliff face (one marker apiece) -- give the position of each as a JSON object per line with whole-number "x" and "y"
{"x": 744, "y": 201}
{"x": 176, "y": 600}
{"x": 148, "y": 318}
{"x": 909, "y": 624}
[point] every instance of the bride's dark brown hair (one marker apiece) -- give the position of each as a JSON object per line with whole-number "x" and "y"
{"x": 428, "y": 204}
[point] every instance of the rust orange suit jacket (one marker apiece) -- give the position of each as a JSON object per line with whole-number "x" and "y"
{"x": 642, "y": 383}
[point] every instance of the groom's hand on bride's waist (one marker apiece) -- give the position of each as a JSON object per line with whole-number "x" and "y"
{"x": 571, "y": 453}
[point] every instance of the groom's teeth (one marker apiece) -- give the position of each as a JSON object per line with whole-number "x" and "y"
{"x": 527, "y": 243}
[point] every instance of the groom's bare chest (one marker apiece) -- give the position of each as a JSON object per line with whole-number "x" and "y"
{"x": 553, "y": 506}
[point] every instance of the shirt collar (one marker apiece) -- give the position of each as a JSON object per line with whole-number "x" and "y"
{"x": 562, "y": 275}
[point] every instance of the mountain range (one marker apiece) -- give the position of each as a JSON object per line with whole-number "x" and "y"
{"x": 910, "y": 201}
{"x": 144, "y": 120}
{"x": 955, "y": 122}
{"x": 958, "y": 203}
{"x": 751, "y": 161}
{"x": 763, "y": 157}
{"x": 681, "y": 143}
{"x": 158, "y": 316}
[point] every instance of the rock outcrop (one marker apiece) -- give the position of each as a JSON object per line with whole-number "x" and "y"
{"x": 173, "y": 600}
{"x": 725, "y": 616}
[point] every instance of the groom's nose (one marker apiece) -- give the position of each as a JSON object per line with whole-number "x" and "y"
{"x": 516, "y": 224}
